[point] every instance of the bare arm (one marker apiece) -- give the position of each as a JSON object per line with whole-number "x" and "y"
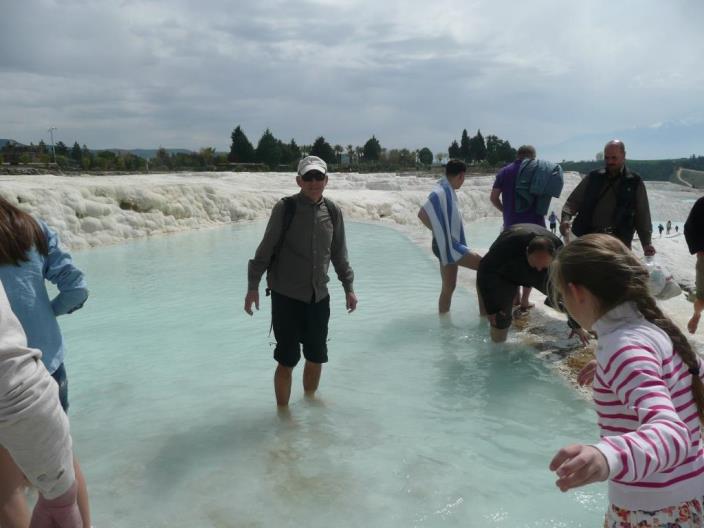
{"x": 423, "y": 216}
{"x": 496, "y": 199}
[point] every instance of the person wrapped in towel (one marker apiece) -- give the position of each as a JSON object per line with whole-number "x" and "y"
{"x": 441, "y": 214}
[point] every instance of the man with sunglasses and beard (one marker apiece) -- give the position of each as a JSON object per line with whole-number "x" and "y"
{"x": 304, "y": 234}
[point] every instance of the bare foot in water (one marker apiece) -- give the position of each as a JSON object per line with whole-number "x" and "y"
{"x": 526, "y": 307}
{"x": 693, "y": 323}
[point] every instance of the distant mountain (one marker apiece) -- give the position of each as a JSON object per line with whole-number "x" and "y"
{"x": 147, "y": 153}
{"x": 671, "y": 139}
{"x": 4, "y": 142}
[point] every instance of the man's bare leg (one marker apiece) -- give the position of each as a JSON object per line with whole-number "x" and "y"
{"x": 499, "y": 335}
{"x": 311, "y": 377}
{"x": 282, "y": 384}
{"x": 449, "y": 282}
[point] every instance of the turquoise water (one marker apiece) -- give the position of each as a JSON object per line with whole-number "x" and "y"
{"x": 419, "y": 421}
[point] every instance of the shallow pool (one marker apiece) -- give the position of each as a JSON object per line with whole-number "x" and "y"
{"x": 419, "y": 420}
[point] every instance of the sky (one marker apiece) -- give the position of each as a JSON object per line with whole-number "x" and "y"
{"x": 565, "y": 76}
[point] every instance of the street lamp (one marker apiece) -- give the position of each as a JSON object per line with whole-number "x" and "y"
{"x": 51, "y": 134}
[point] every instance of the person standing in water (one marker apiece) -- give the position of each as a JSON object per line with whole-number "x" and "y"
{"x": 304, "y": 235}
{"x": 34, "y": 430}
{"x": 520, "y": 256}
{"x": 30, "y": 255}
{"x": 647, "y": 389}
{"x": 441, "y": 214}
{"x": 503, "y": 196}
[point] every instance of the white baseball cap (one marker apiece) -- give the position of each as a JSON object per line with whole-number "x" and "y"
{"x": 310, "y": 163}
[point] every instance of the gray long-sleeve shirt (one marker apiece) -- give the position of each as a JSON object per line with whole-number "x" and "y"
{"x": 33, "y": 427}
{"x": 300, "y": 270}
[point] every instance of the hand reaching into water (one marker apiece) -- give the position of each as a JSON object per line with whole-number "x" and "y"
{"x": 586, "y": 375}
{"x": 583, "y": 335}
{"x": 61, "y": 512}
{"x": 577, "y": 465}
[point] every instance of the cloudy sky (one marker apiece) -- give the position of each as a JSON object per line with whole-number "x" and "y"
{"x": 563, "y": 75}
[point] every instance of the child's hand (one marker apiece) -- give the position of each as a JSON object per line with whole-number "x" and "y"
{"x": 586, "y": 375}
{"x": 577, "y": 465}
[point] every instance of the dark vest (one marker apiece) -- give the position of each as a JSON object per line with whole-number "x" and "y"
{"x": 622, "y": 224}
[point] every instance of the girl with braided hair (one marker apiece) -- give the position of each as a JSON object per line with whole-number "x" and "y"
{"x": 648, "y": 392}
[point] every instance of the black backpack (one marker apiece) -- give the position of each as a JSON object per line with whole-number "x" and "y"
{"x": 289, "y": 213}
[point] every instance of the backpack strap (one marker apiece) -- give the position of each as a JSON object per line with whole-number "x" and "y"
{"x": 289, "y": 213}
{"x": 334, "y": 212}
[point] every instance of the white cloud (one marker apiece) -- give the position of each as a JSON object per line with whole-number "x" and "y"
{"x": 185, "y": 72}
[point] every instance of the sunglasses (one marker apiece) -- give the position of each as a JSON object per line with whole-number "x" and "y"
{"x": 313, "y": 175}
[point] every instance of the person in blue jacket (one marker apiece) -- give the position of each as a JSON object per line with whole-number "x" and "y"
{"x": 30, "y": 255}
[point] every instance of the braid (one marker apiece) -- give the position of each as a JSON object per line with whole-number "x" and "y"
{"x": 650, "y": 310}
{"x": 613, "y": 274}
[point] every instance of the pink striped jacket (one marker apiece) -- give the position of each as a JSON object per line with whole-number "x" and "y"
{"x": 650, "y": 430}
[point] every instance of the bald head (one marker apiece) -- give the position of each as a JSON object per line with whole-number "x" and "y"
{"x": 614, "y": 156}
{"x": 616, "y": 143}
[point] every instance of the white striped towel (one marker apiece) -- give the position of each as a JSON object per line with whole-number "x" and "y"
{"x": 441, "y": 207}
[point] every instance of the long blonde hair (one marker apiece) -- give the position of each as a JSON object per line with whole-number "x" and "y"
{"x": 614, "y": 275}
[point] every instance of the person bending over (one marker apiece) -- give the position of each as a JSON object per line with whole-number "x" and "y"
{"x": 520, "y": 256}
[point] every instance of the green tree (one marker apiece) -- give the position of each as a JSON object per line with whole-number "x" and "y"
{"x": 41, "y": 147}
{"x": 207, "y": 154}
{"x": 465, "y": 148}
{"x": 454, "y": 151}
{"x": 290, "y": 153}
{"x": 61, "y": 149}
{"x": 350, "y": 154}
{"x": 338, "y": 151}
{"x": 477, "y": 147}
{"x": 86, "y": 158}
{"x": 499, "y": 151}
{"x": 372, "y": 149}
{"x": 241, "y": 150}
{"x": 268, "y": 150}
{"x": 425, "y": 156}
{"x": 76, "y": 152}
{"x": 162, "y": 158}
{"x": 323, "y": 150}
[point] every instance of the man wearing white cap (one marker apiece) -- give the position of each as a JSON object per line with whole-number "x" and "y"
{"x": 304, "y": 234}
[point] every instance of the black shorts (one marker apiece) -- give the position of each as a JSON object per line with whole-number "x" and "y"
{"x": 298, "y": 323}
{"x": 498, "y": 301}
{"x": 435, "y": 248}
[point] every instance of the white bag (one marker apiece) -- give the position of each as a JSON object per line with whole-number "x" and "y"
{"x": 662, "y": 283}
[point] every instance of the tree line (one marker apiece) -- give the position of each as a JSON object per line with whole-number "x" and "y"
{"x": 274, "y": 153}
{"x": 82, "y": 158}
